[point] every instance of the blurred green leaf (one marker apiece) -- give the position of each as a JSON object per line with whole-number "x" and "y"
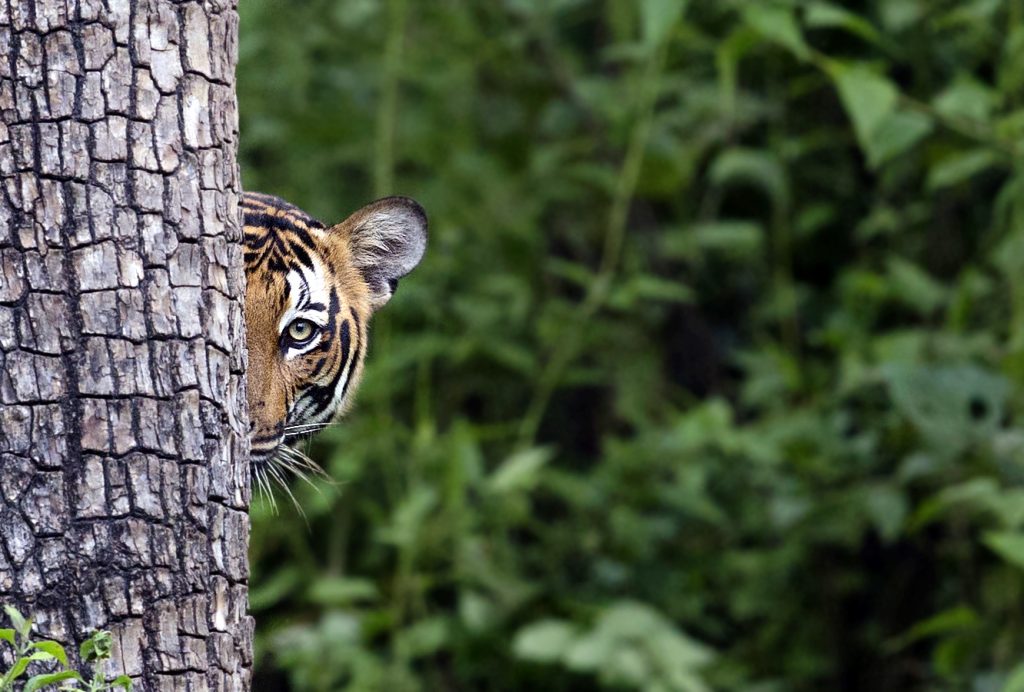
{"x": 423, "y": 638}
{"x": 966, "y": 98}
{"x": 650, "y": 288}
{"x": 476, "y": 612}
{"x": 659, "y": 16}
{"x": 53, "y": 649}
{"x": 951, "y": 406}
{"x": 1009, "y": 545}
{"x": 871, "y": 101}
{"x": 751, "y": 167}
{"x": 97, "y": 647}
{"x": 960, "y": 167}
{"x": 777, "y": 23}
{"x": 635, "y": 628}
{"x": 122, "y": 681}
{"x": 22, "y": 625}
{"x": 953, "y": 620}
{"x": 977, "y": 492}
{"x": 826, "y": 15}
{"x": 545, "y": 641}
{"x": 338, "y": 591}
{"x": 736, "y": 239}
{"x": 589, "y": 652}
{"x": 18, "y": 669}
{"x": 520, "y": 470}
{"x": 896, "y": 135}
{"x": 887, "y": 508}
{"x": 1015, "y": 681}
{"x": 408, "y": 518}
{"x": 274, "y": 589}
{"x": 37, "y": 682}
{"x": 901, "y": 15}
{"x": 911, "y": 286}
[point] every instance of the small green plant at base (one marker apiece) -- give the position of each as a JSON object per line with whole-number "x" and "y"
{"x": 93, "y": 651}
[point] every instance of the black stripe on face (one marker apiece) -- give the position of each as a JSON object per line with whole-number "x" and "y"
{"x": 355, "y": 355}
{"x": 281, "y": 223}
{"x": 279, "y": 251}
{"x": 327, "y": 341}
{"x": 303, "y": 304}
{"x": 302, "y": 255}
{"x": 322, "y": 395}
{"x": 257, "y": 202}
{"x": 256, "y": 237}
{"x": 272, "y": 437}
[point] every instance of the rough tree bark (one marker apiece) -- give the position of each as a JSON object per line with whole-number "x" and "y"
{"x": 123, "y": 457}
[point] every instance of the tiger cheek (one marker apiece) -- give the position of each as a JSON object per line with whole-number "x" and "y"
{"x": 266, "y": 396}
{"x": 314, "y": 375}
{"x": 294, "y": 377}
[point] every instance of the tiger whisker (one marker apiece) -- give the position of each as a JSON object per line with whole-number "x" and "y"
{"x": 257, "y": 488}
{"x": 310, "y": 423}
{"x": 293, "y": 466}
{"x": 298, "y": 426}
{"x": 304, "y": 461}
{"x": 273, "y": 468}
{"x": 284, "y": 461}
{"x": 264, "y": 486}
{"x": 331, "y": 423}
{"x": 296, "y": 467}
{"x": 259, "y": 485}
{"x": 308, "y": 427}
{"x": 269, "y": 491}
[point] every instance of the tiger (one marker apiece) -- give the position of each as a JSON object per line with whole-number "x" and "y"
{"x": 310, "y": 293}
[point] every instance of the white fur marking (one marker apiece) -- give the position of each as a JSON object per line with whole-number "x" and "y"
{"x": 306, "y": 286}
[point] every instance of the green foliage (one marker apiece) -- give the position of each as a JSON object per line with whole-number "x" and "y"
{"x": 711, "y": 377}
{"x": 631, "y": 645}
{"x": 95, "y": 651}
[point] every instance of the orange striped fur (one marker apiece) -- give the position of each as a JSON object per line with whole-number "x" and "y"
{"x": 311, "y": 291}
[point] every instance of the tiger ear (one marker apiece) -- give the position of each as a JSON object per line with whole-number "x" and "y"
{"x": 386, "y": 239}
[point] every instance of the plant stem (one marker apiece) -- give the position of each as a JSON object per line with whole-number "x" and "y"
{"x": 615, "y": 232}
{"x": 387, "y": 109}
{"x": 386, "y": 126}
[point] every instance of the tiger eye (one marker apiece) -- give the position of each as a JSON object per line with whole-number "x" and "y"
{"x": 301, "y": 330}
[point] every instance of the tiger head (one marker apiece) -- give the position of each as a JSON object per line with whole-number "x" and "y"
{"x": 311, "y": 290}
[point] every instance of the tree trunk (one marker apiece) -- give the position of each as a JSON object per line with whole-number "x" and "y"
{"x": 124, "y": 481}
